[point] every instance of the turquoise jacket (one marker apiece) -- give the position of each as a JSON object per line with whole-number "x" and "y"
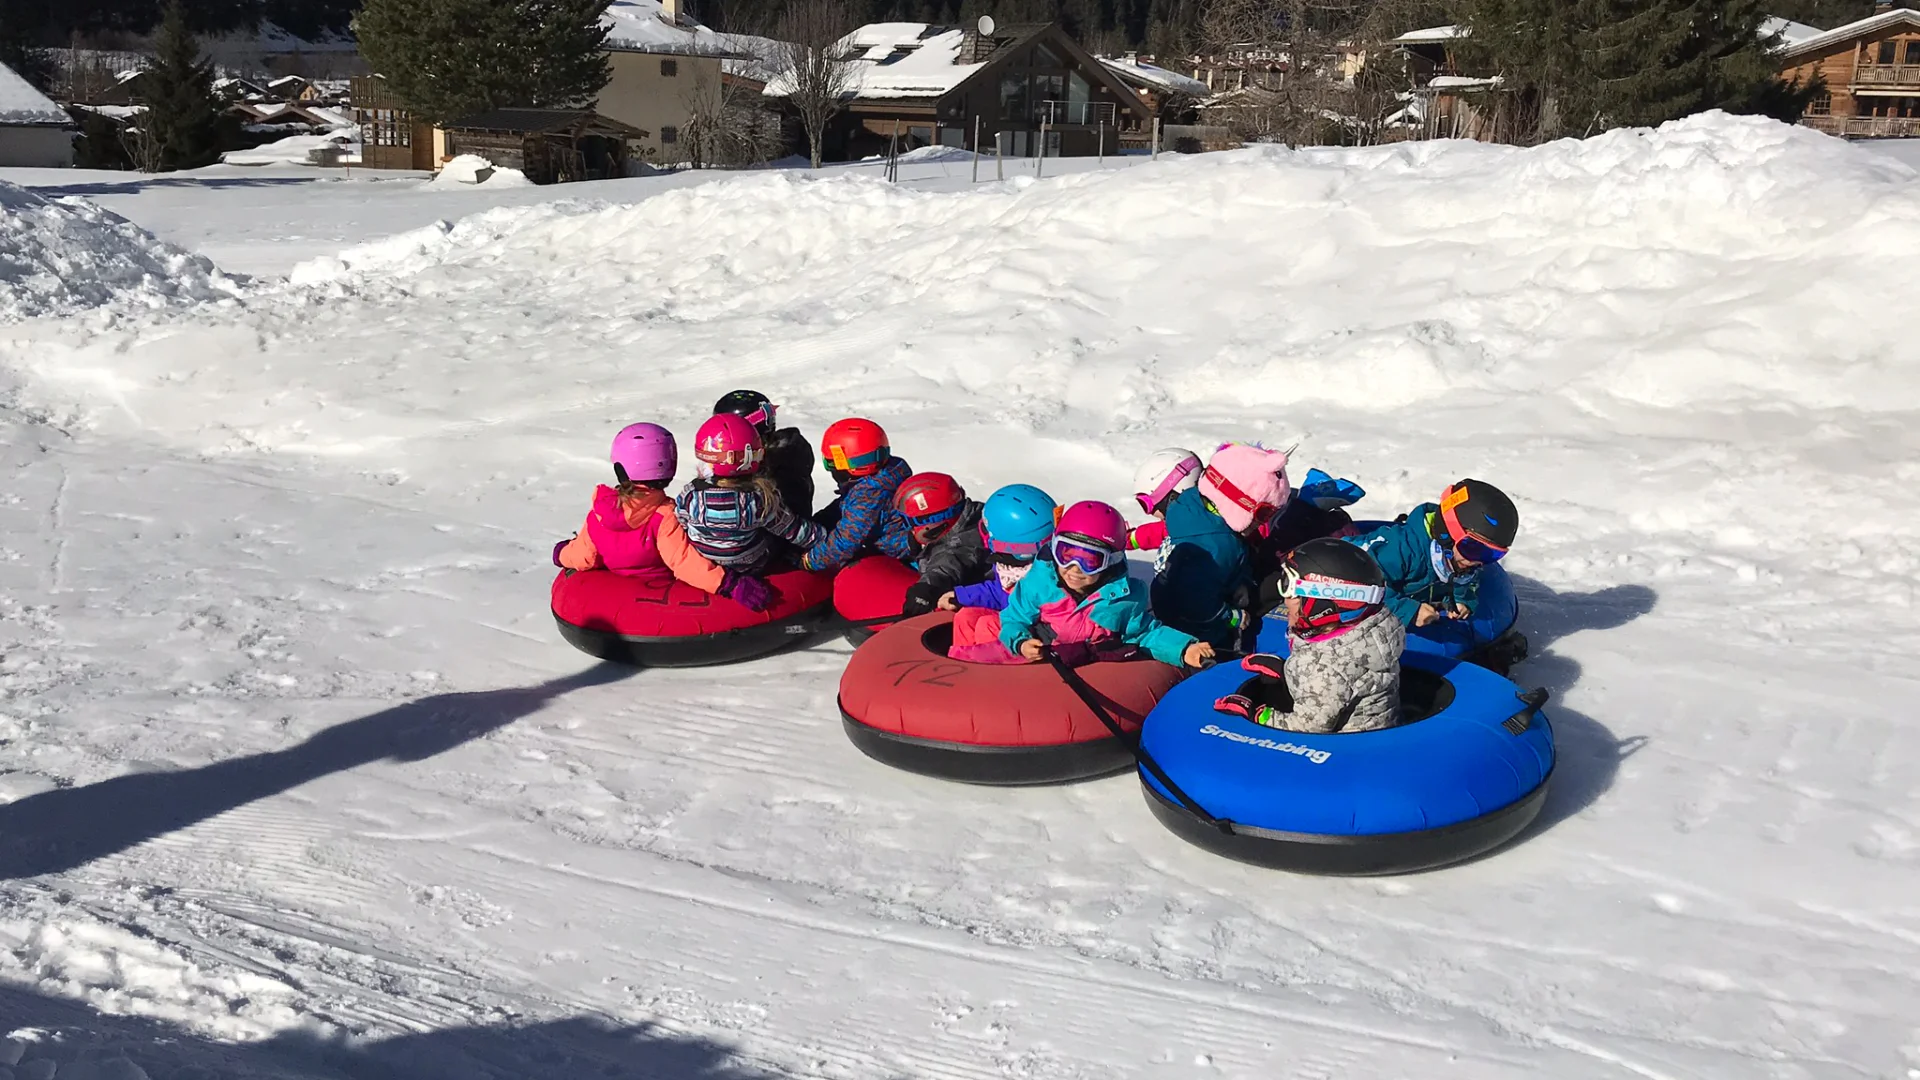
{"x": 1413, "y": 564}
{"x": 1117, "y": 609}
{"x": 1207, "y": 565}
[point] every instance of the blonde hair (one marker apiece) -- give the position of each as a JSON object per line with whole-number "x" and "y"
{"x": 759, "y": 483}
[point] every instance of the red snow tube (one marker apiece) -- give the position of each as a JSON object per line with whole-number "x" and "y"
{"x": 906, "y": 704}
{"x": 870, "y": 588}
{"x": 632, "y": 621}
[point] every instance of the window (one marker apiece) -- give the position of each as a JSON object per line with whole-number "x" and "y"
{"x": 1821, "y": 106}
{"x": 669, "y": 135}
{"x": 1913, "y": 52}
{"x": 669, "y": 68}
{"x": 1013, "y": 96}
{"x": 1886, "y": 52}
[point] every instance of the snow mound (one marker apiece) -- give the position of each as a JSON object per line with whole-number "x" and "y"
{"x": 1715, "y": 259}
{"x": 471, "y": 169}
{"x": 296, "y": 149}
{"x": 65, "y": 255}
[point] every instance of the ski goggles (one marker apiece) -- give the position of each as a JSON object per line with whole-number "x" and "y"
{"x": 1090, "y": 557}
{"x": 1152, "y": 501}
{"x": 1292, "y": 586}
{"x": 1262, "y": 512}
{"x": 836, "y": 459}
{"x": 761, "y": 417}
{"x": 1462, "y": 539}
{"x": 1021, "y": 552}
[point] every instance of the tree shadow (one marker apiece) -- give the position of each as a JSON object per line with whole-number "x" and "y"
{"x": 1587, "y": 753}
{"x": 86, "y": 1043}
{"x": 56, "y": 831}
{"x": 135, "y": 187}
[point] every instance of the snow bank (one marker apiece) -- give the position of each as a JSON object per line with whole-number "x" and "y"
{"x": 472, "y": 169}
{"x": 294, "y": 150}
{"x": 1717, "y": 259}
{"x": 63, "y": 255}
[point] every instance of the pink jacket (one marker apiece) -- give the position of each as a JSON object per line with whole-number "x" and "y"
{"x": 638, "y": 537}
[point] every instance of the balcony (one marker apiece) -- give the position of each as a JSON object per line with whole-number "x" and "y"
{"x": 1887, "y": 75}
{"x": 1866, "y": 127}
{"x": 1059, "y": 114}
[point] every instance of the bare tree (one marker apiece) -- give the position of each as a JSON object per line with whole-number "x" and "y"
{"x": 728, "y": 124}
{"x": 816, "y": 72}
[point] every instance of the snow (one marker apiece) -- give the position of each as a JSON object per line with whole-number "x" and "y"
{"x": 295, "y": 149}
{"x": 1790, "y": 32}
{"x": 67, "y": 255}
{"x": 1138, "y": 73}
{"x": 901, "y": 60}
{"x": 642, "y": 26}
{"x": 1871, "y": 25}
{"x": 304, "y": 785}
{"x": 472, "y": 169}
{"x": 1462, "y": 82}
{"x": 20, "y": 103}
{"x": 1429, "y": 35}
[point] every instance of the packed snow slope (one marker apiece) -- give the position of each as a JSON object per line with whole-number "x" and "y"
{"x": 296, "y": 757}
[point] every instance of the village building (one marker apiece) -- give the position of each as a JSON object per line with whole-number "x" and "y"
{"x": 1871, "y": 75}
{"x": 34, "y": 132}
{"x": 1170, "y": 95}
{"x": 551, "y": 146}
{"x": 1028, "y": 90}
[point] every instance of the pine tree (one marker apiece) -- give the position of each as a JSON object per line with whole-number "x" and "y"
{"x": 1576, "y": 67}
{"x": 181, "y": 127}
{"x": 452, "y": 58}
{"x": 18, "y": 51}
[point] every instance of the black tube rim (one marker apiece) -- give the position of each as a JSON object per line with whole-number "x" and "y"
{"x": 699, "y": 650}
{"x": 992, "y": 766}
{"x": 1352, "y": 856}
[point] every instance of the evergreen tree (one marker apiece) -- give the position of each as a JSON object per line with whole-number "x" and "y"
{"x": 181, "y": 127}
{"x": 452, "y": 58}
{"x": 1576, "y": 67}
{"x": 18, "y": 51}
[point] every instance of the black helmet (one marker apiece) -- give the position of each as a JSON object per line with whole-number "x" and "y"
{"x": 1474, "y": 510}
{"x": 751, "y": 406}
{"x": 1337, "y": 583}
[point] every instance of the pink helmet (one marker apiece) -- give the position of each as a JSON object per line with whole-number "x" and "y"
{"x": 1247, "y": 484}
{"x": 1095, "y": 521}
{"x": 645, "y": 453}
{"x": 729, "y": 446}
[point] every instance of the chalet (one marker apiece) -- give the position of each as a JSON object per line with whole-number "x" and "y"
{"x": 1871, "y": 72}
{"x": 34, "y": 132}
{"x": 1029, "y": 90}
{"x": 390, "y": 136}
{"x": 664, "y": 64}
{"x": 1241, "y": 67}
{"x": 1169, "y": 94}
{"x": 551, "y": 146}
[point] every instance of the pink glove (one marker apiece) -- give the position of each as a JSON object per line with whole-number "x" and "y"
{"x": 747, "y": 591}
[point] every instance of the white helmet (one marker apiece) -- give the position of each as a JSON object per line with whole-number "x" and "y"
{"x": 1164, "y": 474}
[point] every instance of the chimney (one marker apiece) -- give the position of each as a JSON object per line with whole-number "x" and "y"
{"x": 670, "y": 10}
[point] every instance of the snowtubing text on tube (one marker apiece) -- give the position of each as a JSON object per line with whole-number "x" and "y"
{"x": 650, "y": 623}
{"x": 906, "y": 704}
{"x": 1462, "y": 774}
{"x": 871, "y": 588}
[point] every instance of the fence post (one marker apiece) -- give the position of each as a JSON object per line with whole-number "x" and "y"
{"x": 976, "y": 148}
{"x": 999, "y": 156}
{"x": 1100, "y": 132}
{"x": 1040, "y": 158}
{"x": 1156, "y": 139}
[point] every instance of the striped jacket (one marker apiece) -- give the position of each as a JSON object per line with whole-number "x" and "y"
{"x": 736, "y": 527}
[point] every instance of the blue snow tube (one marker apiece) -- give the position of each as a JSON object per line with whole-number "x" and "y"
{"x": 1494, "y": 615}
{"x": 1464, "y": 773}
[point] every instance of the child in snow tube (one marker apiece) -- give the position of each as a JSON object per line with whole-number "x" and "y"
{"x": 632, "y": 530}
{"x": 1015, "y": 525}
{"x": 1082, "y": 601}
{"x": 1343, "y": 665}
{"x": 1165, "y": 474}
{"x": 862, "y": 519}
{"x": 1432, "y": 556}
{"x": 732, "y": 510}
{"x": 1205, "y": 587}
{"x": 789, "y": 455}
{"x": 949, "y": 547}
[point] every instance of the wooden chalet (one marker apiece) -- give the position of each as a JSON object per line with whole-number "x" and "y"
{"x": 1871, "y": 72}
{"x": 1028, "y": 89}
{"x": 552, "y": 146}
{"x": 391, "y": 137}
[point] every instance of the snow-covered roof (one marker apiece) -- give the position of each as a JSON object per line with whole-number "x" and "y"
{"x": 899, "y": 60}
{"x": 20, "y": 103}
{"x": 1872, "y": 24}
{"x": 1135, "y": 73}
{"x": 1791, "y": 33}
{"x": 1430, "y": 36}
{"x": 643, "y": 26}
{"x": 1462, "y": 82}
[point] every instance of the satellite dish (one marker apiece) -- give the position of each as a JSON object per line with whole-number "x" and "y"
{"x": 986, "y": 26}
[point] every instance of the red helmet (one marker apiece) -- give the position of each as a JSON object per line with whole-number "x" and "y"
{"x": 856, "y": 447}
{"x": 929, "y": 501}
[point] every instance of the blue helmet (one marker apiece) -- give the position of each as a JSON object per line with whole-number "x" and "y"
{"x": 1017, "y": 520}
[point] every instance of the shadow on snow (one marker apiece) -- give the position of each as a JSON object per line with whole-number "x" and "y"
{"x": 56, "y": 831}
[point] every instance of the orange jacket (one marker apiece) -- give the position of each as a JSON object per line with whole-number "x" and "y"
{"x": 674, "y": 552}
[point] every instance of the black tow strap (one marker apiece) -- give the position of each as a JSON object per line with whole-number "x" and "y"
{"x": 1132, "y": 742}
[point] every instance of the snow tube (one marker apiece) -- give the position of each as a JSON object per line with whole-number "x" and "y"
{"x": 632, "y": 621}
{"x": 906, "y": 704}
{"x": 1494, "y": 615}
{"x": 1464, "y": 774}
{"x": 870, "y": 588}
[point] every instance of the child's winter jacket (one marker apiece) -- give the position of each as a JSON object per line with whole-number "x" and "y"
{"x": 958, "y": 558}
{"x": 1206, "y": 572}
{"x": 1116, "y": 609}
{"x": 1347, "y": 682}
{"x": 736, "y": 527}
{"x": 867, "y": 522}
{"x": 790, "y": 464}
{"x": 1417, "y": 569}
{"x": 638, "y": 537}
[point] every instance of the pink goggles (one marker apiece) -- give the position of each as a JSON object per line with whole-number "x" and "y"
{"x": 1090, "y": 557}
{"x": 1152, "y": 501}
